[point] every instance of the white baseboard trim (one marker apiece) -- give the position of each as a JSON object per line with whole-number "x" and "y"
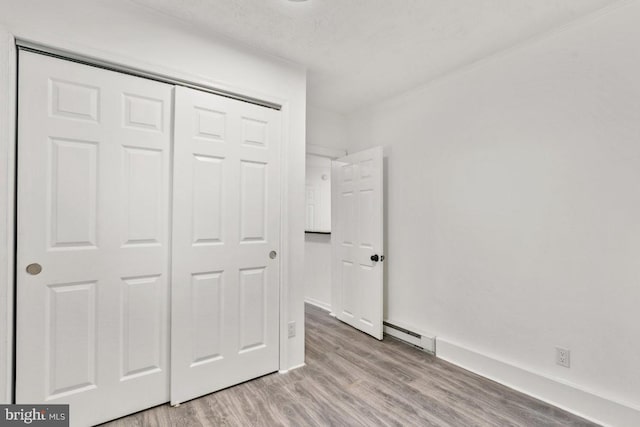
{"x": 318, "y": 303}
{"x": 284, "y": 371}
{"x": 571, "y": 398}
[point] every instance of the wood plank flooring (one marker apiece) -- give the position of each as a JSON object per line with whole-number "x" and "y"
{"x": 354, "y": 380}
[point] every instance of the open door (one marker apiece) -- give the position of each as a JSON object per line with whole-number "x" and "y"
{"x": 357, "y": 240}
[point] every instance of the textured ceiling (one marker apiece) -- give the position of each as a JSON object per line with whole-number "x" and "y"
{"x": 361, "y": 51}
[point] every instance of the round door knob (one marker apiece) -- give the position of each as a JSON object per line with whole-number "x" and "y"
{"x": 273, "y": 254}
{"x": 34, "y": 269}
{"x": 375, "y": 258}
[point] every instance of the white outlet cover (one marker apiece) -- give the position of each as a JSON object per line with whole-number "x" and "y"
{"x": 563, "y": 357}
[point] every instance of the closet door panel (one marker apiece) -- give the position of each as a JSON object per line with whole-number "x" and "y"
{"x": 226, "y": 222}
{"x": 93, "y": 212}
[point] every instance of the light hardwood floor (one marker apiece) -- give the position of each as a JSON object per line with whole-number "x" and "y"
{"x": 354, "y": 380}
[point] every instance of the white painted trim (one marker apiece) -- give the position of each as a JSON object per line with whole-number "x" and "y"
{"x": 286, "y": 371}
{"x": 335, "y": 297}
{"x": 284, "y": 236}
{"x": 572, "y": 398}
{"x": 319, "y": 150}
{"x": 323, "y": 305}
{"x": 7, "y": 176}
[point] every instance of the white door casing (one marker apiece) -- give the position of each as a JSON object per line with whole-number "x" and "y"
{"x": 357, "y": 235}
{"x": 226, "y": 221}
{"x": 93, "y": 211}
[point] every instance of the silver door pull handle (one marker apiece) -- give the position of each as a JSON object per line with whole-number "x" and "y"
{"x": 34, "y": 269}
{"x": 273, "y": 254}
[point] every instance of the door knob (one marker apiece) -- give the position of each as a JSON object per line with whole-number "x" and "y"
{"x": 375, "y": 258}
{"x": 273, "y": 254}
{"x": 34, "y": 269}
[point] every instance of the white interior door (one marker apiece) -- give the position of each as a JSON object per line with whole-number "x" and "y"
{"x": 93, "y": 213}
{"x": 225, "y": 288}
{"x": 357, "y": 239}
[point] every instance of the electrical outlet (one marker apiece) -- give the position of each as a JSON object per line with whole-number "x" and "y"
{"x": 292, "y": 329}
{"x": 563, "y": 357}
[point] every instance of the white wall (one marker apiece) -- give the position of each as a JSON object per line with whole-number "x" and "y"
{"x": 326, "y": 135}
{"x": 326, "y": 128}
{"x": 318, "y": 193}
{"x": 317, "y": 270}
{"x": 120, "y": 31}
{"x": 513, "y": 208}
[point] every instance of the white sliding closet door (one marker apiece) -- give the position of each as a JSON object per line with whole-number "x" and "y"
{"x": 226, "y": 221}
{"x": 93, "y": 214}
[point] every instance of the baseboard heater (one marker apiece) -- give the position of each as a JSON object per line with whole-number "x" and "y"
{"x": 423, "y": 341}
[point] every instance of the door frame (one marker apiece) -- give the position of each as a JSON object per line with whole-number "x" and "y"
{"x": 331, "y": 154}
{"x": 8, "y": 85}
{"x": 8, "y": 148}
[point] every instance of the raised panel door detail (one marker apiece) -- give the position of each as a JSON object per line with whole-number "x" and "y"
{"x": 210, "y": 124}
{"x": 143, "y": 113}
{"x": 226, "y": 214}
{"x": 74, "y": 100}
{"x": 206, "y": 312}
{"x": 71, "y": 338}
{"x": 366, "y": 297}
{"x": 253, "y": 284}
{"x": 347, "y": 173}
{"x": 73, "y": 194}
{"x": 254, "y": 132}
{"x": 366, "y": 169}
{"x": 365, "y": 220}
{"x": 142, "y": 184}
{"x": 349, "y": 293}
{"x": 253, "y": 201}
{"x": 141, "y": 319}
{"x": 207, "y": 200}
{"x": 349, "y": 214}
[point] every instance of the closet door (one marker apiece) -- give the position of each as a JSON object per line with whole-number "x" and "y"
{"x": 226, "y": 237}
{"x": 93, "y": 239}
